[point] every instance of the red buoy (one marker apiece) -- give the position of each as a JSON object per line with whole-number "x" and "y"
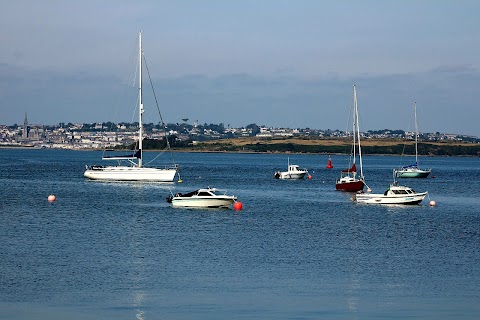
{"x": 329, "y": 164}
{"x": 237, "y": 205}
{"x": 52, "y": 198}
{"x": 309, "y": 177}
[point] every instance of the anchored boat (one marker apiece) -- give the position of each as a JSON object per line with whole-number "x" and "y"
{"x": 202, "y": 198}
{"x": 293, "y": 172}
{"x": 413, "y": 171}
{"x": 395, "y": 194}
{"x": 130, "y": 166}
{"x": 348, "y": 180}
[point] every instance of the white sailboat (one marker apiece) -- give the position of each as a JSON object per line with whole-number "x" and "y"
{"x": 130, "y": 167}
{"x": 413, "y": 171}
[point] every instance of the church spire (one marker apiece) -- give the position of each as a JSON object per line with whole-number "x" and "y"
{"x": 25, "y": 128}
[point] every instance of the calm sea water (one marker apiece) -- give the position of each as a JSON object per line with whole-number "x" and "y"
{"x": 297, "y": 250}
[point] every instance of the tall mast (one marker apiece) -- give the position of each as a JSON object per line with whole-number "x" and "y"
{"x": 358, "y": 129}
{"x": 354, "y": 124}
{"x": 416, "y": 132}
{"x": 140, "y": 103}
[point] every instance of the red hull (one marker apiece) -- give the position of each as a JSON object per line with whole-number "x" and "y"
{"x": 350, "y": 186}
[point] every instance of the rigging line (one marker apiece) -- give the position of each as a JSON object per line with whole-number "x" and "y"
{"x": 349, "y": 145}
{"x": 117, "y": 98}
{"x": 159, "y": 113}
{"x": 405, "y": 140}
{"x": 134, "y": 115}
{"x": 156, "y": 101}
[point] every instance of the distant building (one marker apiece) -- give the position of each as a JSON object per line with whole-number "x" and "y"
{"x": 25, "y": 128}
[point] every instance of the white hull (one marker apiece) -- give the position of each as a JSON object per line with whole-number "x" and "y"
{"x": 412, "y": 173}
{"x": 390, "y": 199}
{"x": 293, "y": 172}
{"x": 204, "y": 202}
{"x": 289, "y": 175}
{"x": 125, "y": 173}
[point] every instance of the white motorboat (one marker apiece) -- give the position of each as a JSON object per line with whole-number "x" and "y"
{"x": 294, "y": 172}
{"x": 395, "y": 194}
{"x": 130, "y": 167}
{"x": 202, "y": 198}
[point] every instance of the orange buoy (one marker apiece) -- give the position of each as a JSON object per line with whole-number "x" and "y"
{"x": 329, "y": 163}
{"x": 237, "y": 205}
{"x": 432, "y": 203}
{"x": 52, "y": 198}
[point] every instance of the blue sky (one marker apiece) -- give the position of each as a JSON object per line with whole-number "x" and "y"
{"x": 270, "y": 62}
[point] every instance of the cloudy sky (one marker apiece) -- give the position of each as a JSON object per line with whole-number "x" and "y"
{"x": 270, "y": 62}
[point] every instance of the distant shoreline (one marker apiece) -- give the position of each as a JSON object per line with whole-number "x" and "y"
{"x": 335, "y": 146}
{"x": 252, "y": 145}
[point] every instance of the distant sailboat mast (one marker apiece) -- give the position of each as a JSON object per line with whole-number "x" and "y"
{"x": 354, "y": 131}
{"x": 140, "y": 103}
{"x": 358, "y": 129}
{"x": 416, "y": 131}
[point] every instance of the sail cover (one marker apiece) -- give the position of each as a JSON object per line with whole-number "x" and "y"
{"x": 352, "y": 169}
{"x": 411, "y": 166}
{"x": 135, "y": 155}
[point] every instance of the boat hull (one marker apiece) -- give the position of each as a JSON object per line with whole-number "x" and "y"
{"x": 199, "y": 202}
{"x": 350, "y": 186}
{"x": 390, "y": 199}
{"x": 125, "y": 173}
{"x": 408, "y": 173}
{"x": 289, "y": 175}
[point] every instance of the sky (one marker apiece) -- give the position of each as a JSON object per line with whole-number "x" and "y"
{"x": 277, "y": 63}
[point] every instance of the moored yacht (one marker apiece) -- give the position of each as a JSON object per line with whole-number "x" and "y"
{"x": 348, "y": 180}
{"x": 130, "y": 166}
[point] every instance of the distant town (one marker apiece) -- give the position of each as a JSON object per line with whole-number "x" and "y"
{"x": 117, "y": 135}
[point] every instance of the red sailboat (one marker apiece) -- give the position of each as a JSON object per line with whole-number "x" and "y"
{"x": 348, "y": 179}
{"x": 329, "y": 163}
